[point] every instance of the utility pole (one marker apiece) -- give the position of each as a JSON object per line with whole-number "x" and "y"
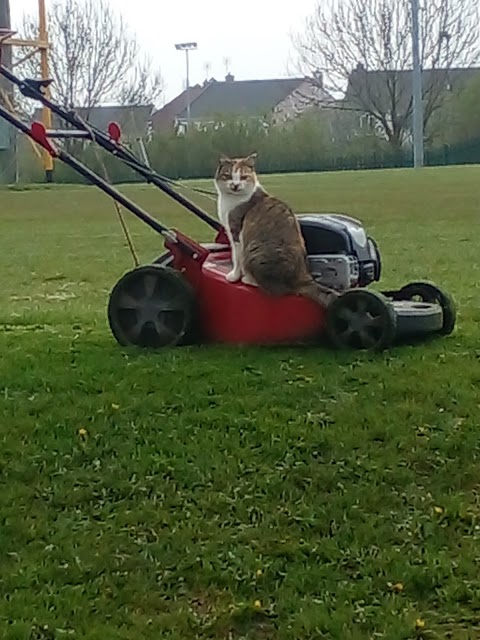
{"x": 187, "y": 47}
{"x": 6, "y": 25}
{"x": 10, "y": 155}
{"x": 417, "y": 91}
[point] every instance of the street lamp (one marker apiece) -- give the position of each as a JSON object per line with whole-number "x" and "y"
{"x": 187, "y": 47}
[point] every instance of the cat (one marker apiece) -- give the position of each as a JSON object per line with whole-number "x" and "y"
{"x": 268, "y": 249}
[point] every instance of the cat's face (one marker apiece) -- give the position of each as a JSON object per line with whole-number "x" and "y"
{"x": 237, "y": 176}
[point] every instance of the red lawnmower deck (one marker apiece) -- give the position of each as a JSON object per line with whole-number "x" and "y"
{"x": 220, "y": 311}
{"x": 184, "y": 297}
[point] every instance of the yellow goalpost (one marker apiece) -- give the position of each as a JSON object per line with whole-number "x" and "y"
{"x": 38, "y": 45}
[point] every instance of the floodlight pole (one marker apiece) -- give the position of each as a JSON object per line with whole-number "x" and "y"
{"x": 187, "y": 47}
{"x": 417, "y": 91}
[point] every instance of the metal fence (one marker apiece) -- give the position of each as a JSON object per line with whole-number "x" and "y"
{"x": 199, "y": 164}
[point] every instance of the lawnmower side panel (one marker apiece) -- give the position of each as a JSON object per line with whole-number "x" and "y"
{"x": 236, "y": 313}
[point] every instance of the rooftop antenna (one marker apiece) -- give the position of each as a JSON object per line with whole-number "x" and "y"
{"x": 226, "y": 62}
{"x": 207, "y": 66}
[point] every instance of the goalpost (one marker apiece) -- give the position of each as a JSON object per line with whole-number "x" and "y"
{"x": 38, "y": 45}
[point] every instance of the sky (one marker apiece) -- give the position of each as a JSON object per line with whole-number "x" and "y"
{"x": 252, "y": 34}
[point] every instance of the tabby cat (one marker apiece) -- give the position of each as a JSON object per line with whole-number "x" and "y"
{"x": 268, "y": 249}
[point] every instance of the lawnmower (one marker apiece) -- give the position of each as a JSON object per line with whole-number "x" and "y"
{"x": 183, "y": 297}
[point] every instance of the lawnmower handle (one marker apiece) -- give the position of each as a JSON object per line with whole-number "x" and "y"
{"x": 34, "y": 89}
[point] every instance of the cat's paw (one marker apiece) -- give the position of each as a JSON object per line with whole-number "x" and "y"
{"x": 233, "y": 276}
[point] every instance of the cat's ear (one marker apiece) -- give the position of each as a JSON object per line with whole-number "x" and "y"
{"x": 250, "y": 160}
{"x": 224, "y": 160}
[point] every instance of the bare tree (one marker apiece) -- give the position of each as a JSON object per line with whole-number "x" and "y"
{"x": 363, "y": 49}
{"x": 142, "y": 85}
{"x": 93, "y": 57}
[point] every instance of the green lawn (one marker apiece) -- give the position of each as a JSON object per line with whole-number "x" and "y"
{"x": 216, "y": 492}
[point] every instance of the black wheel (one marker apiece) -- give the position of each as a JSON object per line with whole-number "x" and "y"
{"x": 361, "y": 319}
{"x": 152, "y": 306}
{"x": 430, "y": 293}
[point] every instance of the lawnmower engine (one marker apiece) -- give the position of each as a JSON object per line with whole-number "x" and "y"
{"x": 340, "y": 254}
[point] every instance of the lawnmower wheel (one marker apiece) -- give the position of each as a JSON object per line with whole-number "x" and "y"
{"x": 361, "y": 319}
{"x": 430, "y": 293}
{"x": 152, "y": 306}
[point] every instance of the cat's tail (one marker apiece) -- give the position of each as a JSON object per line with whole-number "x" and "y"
{"x": 317, "y": 292}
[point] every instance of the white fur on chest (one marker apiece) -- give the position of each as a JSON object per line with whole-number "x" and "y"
{"x": 227, "y": 203}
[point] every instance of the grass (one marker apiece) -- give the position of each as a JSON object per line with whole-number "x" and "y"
{"x": 217, "y": 492}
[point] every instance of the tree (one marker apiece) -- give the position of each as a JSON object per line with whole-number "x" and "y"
{"x": 468, "y": 114}
{"x": 142, "y": 87}
{"x": 93, "y": 57}
{"x": 459, "y": 119}
{"x": 363, "y": 49}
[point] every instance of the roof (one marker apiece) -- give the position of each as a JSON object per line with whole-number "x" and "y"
{"x": 374, "y": 87}
{"x": 241, "y": 97}
{"x": 133, "y": 120}
{"x": 164, "y": 118}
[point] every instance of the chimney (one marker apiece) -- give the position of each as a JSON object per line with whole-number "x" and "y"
{"x": 229, "y": 78}
{"x": 318, "y": 77}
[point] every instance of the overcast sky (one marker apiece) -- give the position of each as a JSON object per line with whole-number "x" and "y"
{"x": 253, "y": 34}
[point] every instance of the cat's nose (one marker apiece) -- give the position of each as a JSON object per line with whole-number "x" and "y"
{"x": 235, "y": 187}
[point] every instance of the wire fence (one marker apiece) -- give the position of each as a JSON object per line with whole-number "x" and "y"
{"x": 184, "y": 162}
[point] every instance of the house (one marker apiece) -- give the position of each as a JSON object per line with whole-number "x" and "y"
{"x": 276, "y": 100}
{"x": 390, "y": 94}
{"x": 164, "y": 119}
{"x": 135, "y": 120}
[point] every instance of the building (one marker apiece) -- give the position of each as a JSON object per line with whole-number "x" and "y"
{"x": 276, "y": 101}
{"x": 390, "y": 95}
{"x": 165, "y": 119}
